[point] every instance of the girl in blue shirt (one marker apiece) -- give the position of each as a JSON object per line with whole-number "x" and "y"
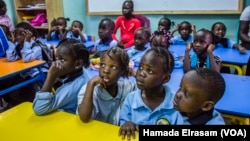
{"x": 184, "y": 29}
{"x": 101, "y": 98}
{"x": 75, "y": 31}
{"x": 199, "y": 91}
{"x": 72, "y": 57}
{"x": 151, "y": 103}
{"x": 141, "y": 45}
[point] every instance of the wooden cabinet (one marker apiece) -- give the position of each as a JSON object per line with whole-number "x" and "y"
{"x": 26, "y": 9}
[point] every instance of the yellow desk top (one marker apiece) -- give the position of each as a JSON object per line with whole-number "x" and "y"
{"x": 21, "y": 124}
{"x": 8, "y": 68}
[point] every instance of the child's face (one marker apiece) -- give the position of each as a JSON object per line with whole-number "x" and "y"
{"x": 140, "y": 39}
{"x": 219, "y": 31}
{"x": 60, "y": 23}
{"x": 63, "y": 55}
{"x": 160, "y": 41}
{"x": 163, "y": 25}
{"x": 201, "y": 42}
{"x": 19, "y": 35}
{"x": 76, "y": 27}
{"x": 110, "y": 70}
{"x": 3, "y": 10}
{"x": 127, "y": 9}
{"x": 150, "y": 73}
{"x": 184, "y": 30}
{"x": 190, "y": 97}
{"x": 104, "y": 30}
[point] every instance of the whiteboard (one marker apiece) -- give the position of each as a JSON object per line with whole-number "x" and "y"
{"x": 114, "y": 7}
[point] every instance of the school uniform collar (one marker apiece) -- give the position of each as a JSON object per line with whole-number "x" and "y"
{"x": 201, "y": 119}
{"x": 106, "y": 96}
{"x": 107, "y": 42}
{"x": 166, "y": 104}
{"x": 73, "y": 76}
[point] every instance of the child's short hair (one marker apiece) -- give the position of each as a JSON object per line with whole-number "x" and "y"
{"x": 2, "y": 4}
{"x": 53, "y": 22}
{"x": 122, "y": 58}
{"x": 146, "y": 31}
{"x": 214, "y": 83}
{"x": 164, "y": 33}
{"x": 129, "y": 1}
{"x": 77, "y": 49}
{"x": 206, "y": 31}
{"x": 80, "y": 23}
{"x": 185, "y": 22}
{"x": 29, "y": 27}
{"x": 168, "y": 65}
{"x": 111, "y": 23}
{"x": 213, "y": 26}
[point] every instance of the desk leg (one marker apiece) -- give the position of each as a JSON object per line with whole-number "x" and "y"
{"x": 239, "y": 70}
{"x": 244, "y": 69}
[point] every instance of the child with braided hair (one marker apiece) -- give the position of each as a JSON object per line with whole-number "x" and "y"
{"x": 161, "y": 38}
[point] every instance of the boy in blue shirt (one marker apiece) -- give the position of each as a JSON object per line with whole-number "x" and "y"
{"x": 199, "y": 91}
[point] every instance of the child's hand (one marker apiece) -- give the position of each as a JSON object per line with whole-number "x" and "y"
{"x": 12, "y": 37}
{"x": 54, "y": 28}
{"x": 128, "y": 129}
{"x": 242, "y": 49}
{"x": 193, "y": 28}
{"x": 56, "y": 69}
{"x": 210, "y": 48}
{"x": 97, "y": 80}
{"x": 189, "y": 46}
{"x": 27, "y": 35}
{"x": 121, "y": 45}
{"x": 177, "y": 27}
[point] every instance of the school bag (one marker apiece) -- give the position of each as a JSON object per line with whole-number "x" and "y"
{"x": 47, "y": 52}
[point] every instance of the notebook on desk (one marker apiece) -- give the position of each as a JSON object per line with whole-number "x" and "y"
{"x": 3, "y": 43}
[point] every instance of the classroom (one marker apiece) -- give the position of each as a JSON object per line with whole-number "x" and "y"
{"x": 50, "y": 115}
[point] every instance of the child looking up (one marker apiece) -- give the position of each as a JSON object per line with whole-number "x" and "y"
{"x": 58, "y": 28}
{"x": 151, "y": 103}
{"x": 105, "y": 30}
{"x": 75, "y": 31}
{"x": 127, "y": 24}
{"x": 102, "y": 96}
{"x": 202, "y": 57}
{"x": 184, "y": 29}
{"x": 199, "y": 91}
{"x": 141, "y": 45}
{"x": 219, "y": 30}
{"x": 4, "y": 18}
{"x": 72, "y": 58}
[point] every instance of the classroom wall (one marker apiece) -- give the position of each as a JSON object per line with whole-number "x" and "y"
{"x": 75, "y": 10}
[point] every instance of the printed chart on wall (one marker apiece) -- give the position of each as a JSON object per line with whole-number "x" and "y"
{"x": 114, "y": 7}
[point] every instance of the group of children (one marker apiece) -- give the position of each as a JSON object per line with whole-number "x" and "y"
{"x": 111, "y": 97}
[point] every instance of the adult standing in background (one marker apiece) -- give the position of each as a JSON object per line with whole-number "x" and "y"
{"x": 244, "y": 30}
{"x": 127, "y": 24}
{"x": 244, "y": 33}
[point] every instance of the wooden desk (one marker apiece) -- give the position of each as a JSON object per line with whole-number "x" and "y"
{"x": 21, "y": 124}
{"x": 9, "y": 69}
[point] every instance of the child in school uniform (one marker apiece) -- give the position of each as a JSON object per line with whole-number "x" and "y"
{"x": 72, "y": 57}
{"x": 184, "y": 29}
{"x": 141, "y": 45}
{"x": 202, "y": 57}
{"x": 58, "y": 28}
{"x": 24, "y": 48}
{"x": 219, "y": 30}
{"x": 151, "y": 103}
{"x": 199, "y": 91}
{"x": 105, "y": 41}
{"x": 103, "y": 95}
{"x": 76, "y": 31}
{"x": 164, "y": 24}
{"x": 4, "y": 18}
{"x": 162, "y": 38}
{"x": 127, "y": 24}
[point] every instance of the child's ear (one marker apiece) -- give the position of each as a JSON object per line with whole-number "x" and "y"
{"x": 79, "y": 63}
{"x": 166, "y": 78}
{"x": 207, "y": 105}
